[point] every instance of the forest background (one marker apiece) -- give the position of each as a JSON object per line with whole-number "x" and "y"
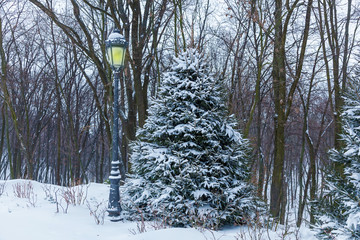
{"x": 285, "y": 65}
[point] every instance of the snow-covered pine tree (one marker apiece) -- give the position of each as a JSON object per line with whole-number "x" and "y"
{"x": 190, "y": 165}
{"x": 338, "y": 211}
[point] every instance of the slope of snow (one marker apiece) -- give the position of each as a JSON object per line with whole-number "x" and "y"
{"x": 36, "y": 218}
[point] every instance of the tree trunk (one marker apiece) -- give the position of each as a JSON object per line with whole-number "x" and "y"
{"x": 279, "y": 89}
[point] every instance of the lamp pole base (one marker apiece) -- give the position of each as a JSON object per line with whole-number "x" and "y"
{"x": 114, "y": 216}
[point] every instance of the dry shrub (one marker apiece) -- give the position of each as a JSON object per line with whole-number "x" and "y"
{"x": 75, "y": 195}
{"x": 63, "y": 197}
{"x": 156, "y": 224}
{"x": 97, "y": 210}
{"x": 2, "y": 188}
{"x": 25, "y": 190}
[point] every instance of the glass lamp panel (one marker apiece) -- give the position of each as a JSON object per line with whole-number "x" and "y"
{"x": 116, "y": 56}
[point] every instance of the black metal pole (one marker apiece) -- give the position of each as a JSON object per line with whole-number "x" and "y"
{"x": 114, "y": 208}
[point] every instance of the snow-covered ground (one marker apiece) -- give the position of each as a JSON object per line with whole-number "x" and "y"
{"x": 35, "y": 211}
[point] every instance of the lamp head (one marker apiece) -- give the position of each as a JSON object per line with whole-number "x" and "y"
{"x": 115, "y": 49}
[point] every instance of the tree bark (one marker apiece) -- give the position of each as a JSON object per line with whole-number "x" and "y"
{"x": 279, "y": 88}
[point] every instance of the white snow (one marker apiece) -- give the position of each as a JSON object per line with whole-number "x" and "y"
{"x": 353, "y": 222}
{"x": 114, "y": 177}
{"x": 115, "y": 35}
{"x": 36, "y": 218}
{"x": 115, "y": 172}
{"x": 199, "y": 193}
{"x": 350, "y": 152}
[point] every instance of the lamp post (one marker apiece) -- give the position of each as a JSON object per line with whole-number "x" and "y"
{"x": 115, "y": 50}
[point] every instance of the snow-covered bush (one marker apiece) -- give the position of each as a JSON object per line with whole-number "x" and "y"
{"x": 190, "y": 164}
{"x": 338, "y": 215}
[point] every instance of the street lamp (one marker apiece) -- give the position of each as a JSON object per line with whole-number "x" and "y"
{"x": 115, "y": 51}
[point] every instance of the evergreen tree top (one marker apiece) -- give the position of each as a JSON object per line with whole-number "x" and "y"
{"x": 190, "y": 99}
{"x": 190, "y": 60}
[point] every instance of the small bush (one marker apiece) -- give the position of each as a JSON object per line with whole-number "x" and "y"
{"x": 143, "y": 226}
{"x": 75, "y": 195}
{"x": 25, "y": 190}
{"x": 2, "y": 188}
{"x": 63, "y": 197}
{"x": 49, "y": 191}
{"x": 97, "y": 210}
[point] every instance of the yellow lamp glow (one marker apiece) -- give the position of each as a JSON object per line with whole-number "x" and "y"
{"x": 116, "y": 56}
